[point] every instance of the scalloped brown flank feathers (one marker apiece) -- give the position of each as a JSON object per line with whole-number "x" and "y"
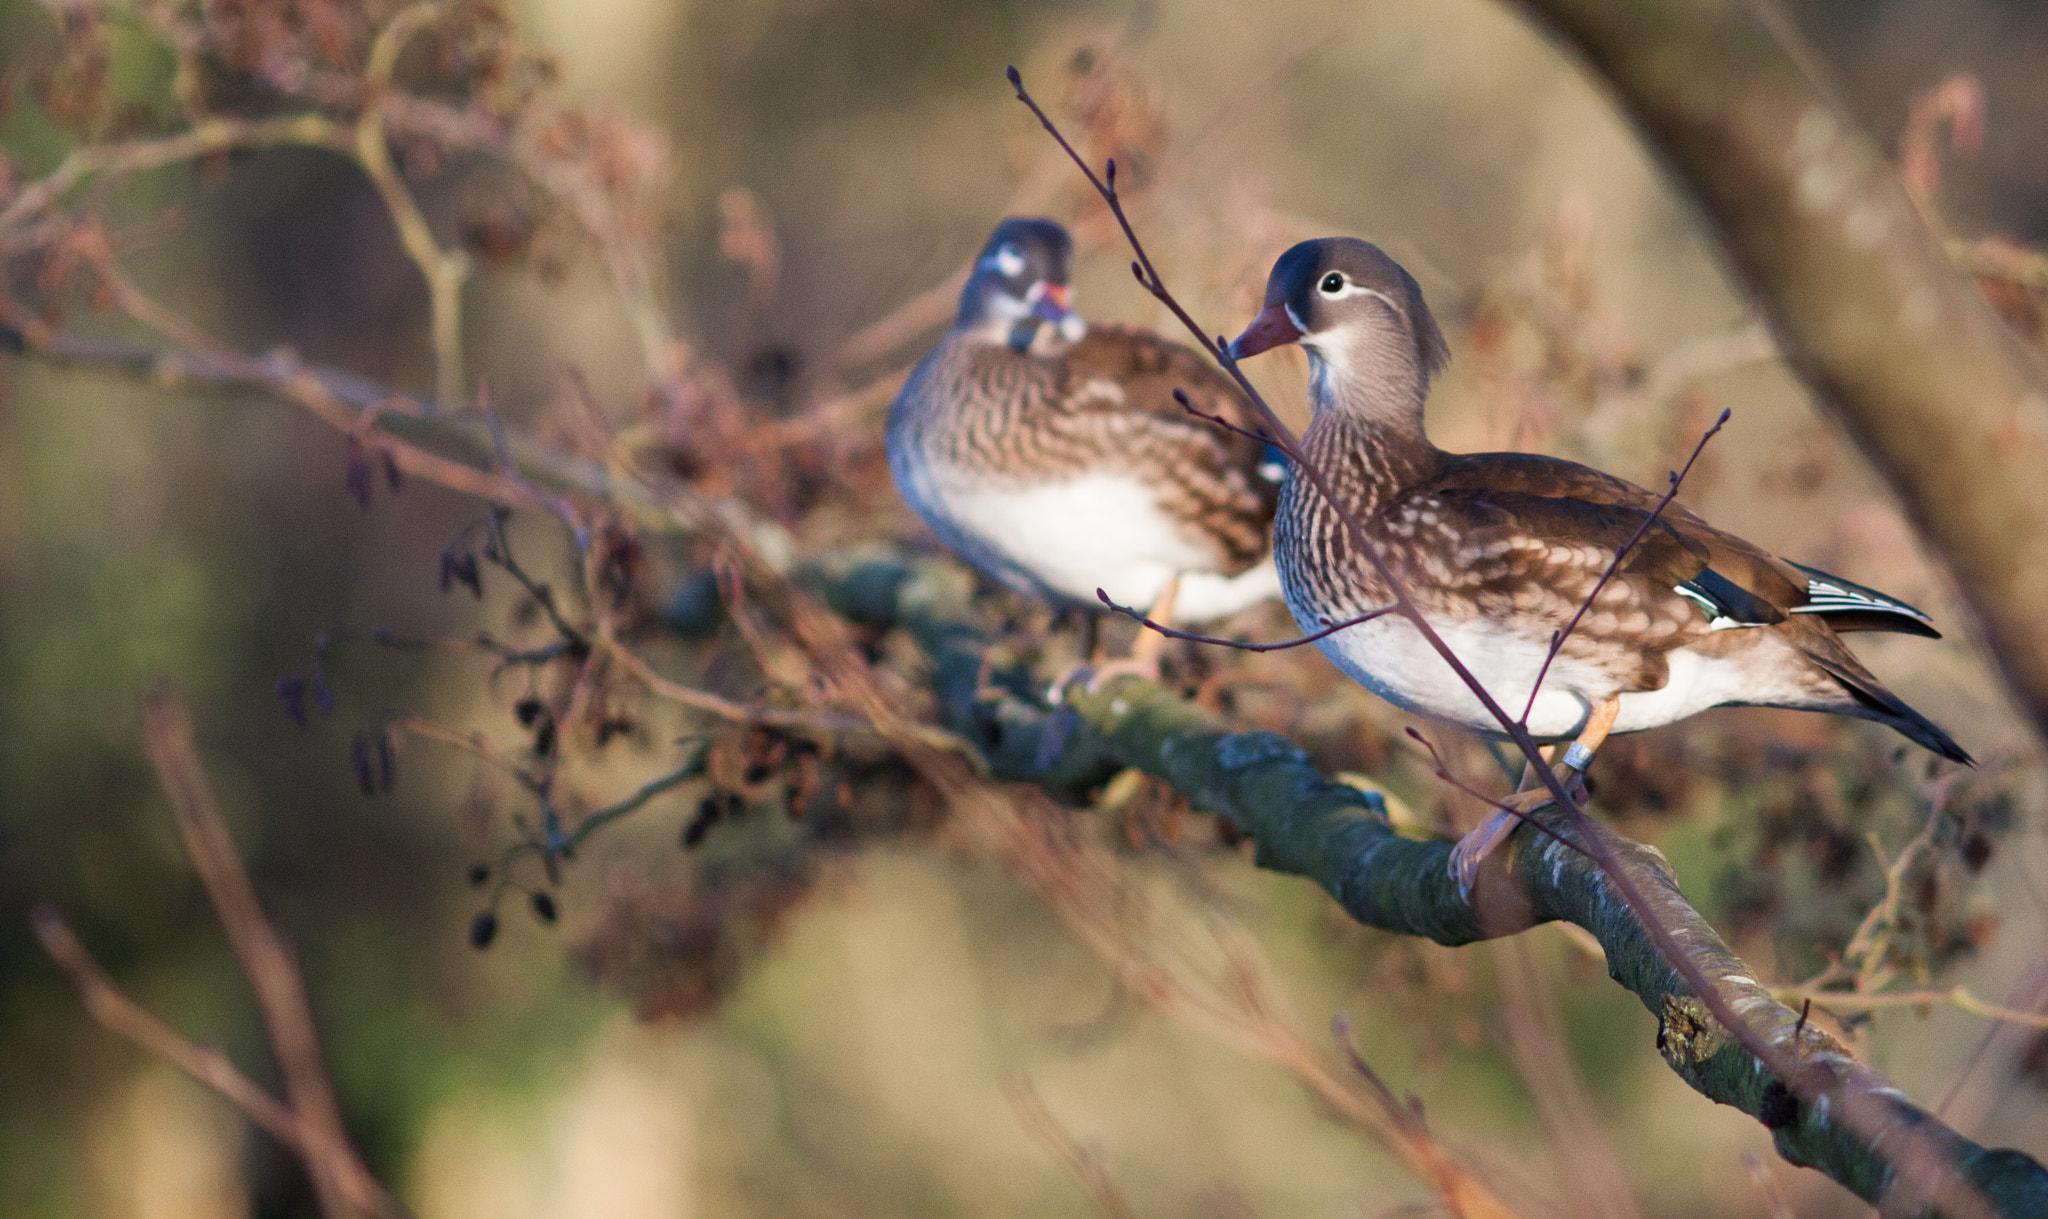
{"x": 1500, "y": 549}
{"x": 1052, "y": 454}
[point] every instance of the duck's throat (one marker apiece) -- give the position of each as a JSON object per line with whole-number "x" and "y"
{"x": 1384, "y": 397}
{"x": 1368, "y": 464}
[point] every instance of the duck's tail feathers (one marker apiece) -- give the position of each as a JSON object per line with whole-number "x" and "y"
{"x": 1848, "y": 606}
{"x": 1875, "y": 702}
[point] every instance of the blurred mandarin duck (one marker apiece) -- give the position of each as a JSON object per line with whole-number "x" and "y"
{"x": 1050, "y": 453}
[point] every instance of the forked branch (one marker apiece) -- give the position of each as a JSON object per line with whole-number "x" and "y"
{"x": 309, "y": 1120}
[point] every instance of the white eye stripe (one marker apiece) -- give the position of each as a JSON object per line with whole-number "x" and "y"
{"x": 1007, "y": 262}
{"x": 1350, "y": 290}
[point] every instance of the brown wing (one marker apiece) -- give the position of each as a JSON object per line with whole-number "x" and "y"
{"x": 1535, "y": 560}
{"x": 1731, "y": 567}
{"x": 1219, "y": 480}
{"x": 1528, "y": 539}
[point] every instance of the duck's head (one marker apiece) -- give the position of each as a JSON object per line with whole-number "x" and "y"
{"x": 1361, "y": 317}
{"x": 1020, "y": 285}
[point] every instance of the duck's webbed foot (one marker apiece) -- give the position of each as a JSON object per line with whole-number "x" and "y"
{"x": 1469, "y": 852}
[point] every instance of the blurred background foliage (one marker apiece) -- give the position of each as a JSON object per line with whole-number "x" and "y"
{"x": 845, "y": 1047}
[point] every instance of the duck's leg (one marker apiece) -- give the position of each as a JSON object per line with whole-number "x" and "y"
{"x": 1546, "y": 752}
{"x": 1151, "y": 645}
{"x": 1145, "y": 653}
{"x": 1471, "y": 850}
{"x": 1091, "y": 636}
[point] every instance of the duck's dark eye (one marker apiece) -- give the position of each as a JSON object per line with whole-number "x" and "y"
{"x": 1332, "y": 284}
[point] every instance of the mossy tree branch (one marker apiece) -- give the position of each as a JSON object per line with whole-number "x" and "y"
{"x": 1307, "y": 825}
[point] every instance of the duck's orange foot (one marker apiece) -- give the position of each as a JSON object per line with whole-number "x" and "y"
{"x": 1471, "y": 851}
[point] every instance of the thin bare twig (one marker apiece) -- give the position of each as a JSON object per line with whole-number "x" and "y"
{"x": 599, "y": 818}
{"x": 207, "y": 137}
{"x": 501, "y": 551}
{"x": 1536, "y": 1046}
{"x": 445, "y": 270}
{"x": 507, "y": 655}
{"x": 844, "y": 411}
{"x": 310, "y": 1123}
{"x": 1429, "y": 1160}
{"x": 1959, "y": 997}
{"x": 1443, "y": 773}
{"x": 123, "y": 1016}
{"x": 1172, "y": 633}
{"x": 338, "y": 1175}
{"x": 1775, "y": 1204}
{"x": 472, "y": 743}
{"x": 337, "y": 398}
{"x": 1258, "y": 434}
{"x": 724, "y": 708}
{"x": 1087, "y": 1168}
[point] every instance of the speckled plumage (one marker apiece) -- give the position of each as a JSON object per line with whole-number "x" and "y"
{"x": 1059, "y": 462}
{"x": 1499, "y": 550}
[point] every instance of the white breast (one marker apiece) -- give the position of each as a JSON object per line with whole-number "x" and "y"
{"x": 1391, "y": 658}
{"x": 1066, "y": 539}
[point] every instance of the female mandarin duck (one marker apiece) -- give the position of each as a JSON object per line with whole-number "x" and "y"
{"x": 1050, "y": 453}
{"x": 1499, "y": 550}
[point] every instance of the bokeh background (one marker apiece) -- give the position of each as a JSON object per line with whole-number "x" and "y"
{"x": 859, "y": 1057}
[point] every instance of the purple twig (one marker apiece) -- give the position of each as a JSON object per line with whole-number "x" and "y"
{"x": 1329, "y": 628}
{"x": 1181, "y": 396}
